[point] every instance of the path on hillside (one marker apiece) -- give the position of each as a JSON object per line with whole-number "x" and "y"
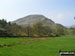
{"x": 24, "y": 42}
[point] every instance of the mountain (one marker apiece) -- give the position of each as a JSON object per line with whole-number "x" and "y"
{"x": 32, "y": 19}
{"x": 72, "y": 26}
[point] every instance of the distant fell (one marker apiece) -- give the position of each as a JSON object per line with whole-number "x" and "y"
{"x": 32, "y": 19}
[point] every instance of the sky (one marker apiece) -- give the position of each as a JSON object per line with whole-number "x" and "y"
{"x": 60, "y": 11}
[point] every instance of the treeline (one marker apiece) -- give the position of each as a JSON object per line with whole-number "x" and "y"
{"x": 37, "y": 30}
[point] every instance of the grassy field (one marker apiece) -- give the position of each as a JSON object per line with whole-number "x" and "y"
{"x": 13, "y": 40}
{"x": 49, "y": 47}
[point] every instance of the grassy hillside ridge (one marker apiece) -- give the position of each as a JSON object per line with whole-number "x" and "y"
{"x": 49, "y": 47}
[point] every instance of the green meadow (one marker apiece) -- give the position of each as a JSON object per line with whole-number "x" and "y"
{"x": 48, "y": 47}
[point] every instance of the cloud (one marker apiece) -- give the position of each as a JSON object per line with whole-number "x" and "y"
{"x": 59, "y": 16}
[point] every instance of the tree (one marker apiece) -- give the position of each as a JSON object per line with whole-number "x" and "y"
{"x": 60, "y": 30}
{"x": 28, "y": 30}
{"x": 38, "y": 29}
{"x": 72, "y": 31}
{"x": 3, "y": 23}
